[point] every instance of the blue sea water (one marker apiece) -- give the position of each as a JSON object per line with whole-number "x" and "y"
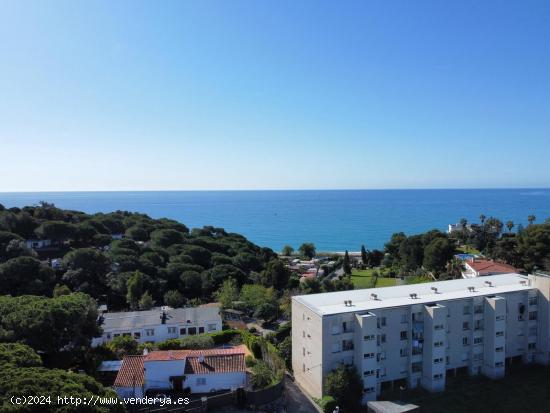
{"x": 333, "y": 220}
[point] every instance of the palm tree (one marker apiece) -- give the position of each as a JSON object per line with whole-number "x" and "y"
{"x": 509, "y": 225}
{"x": 531, "y": 219}
{"x": 482, "y": 219}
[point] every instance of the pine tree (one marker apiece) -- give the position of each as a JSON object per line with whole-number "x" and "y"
{"x": 347, "y": 265}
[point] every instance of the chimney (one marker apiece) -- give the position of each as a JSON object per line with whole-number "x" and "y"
{"x": 163, "y": 318}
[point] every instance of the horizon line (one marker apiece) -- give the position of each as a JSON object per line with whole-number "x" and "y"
{"x": 276, "y": 189}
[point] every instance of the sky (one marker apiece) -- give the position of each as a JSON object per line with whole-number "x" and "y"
{"x": 175, "y": 95}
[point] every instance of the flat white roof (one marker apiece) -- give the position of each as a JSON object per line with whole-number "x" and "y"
{"x": 333, "y": 303}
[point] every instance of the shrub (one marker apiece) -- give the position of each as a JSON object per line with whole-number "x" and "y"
{"x": 250, "y": 361}
{"x": 197, "y": 342}
{"x": 224, "y": 336}
{"x": 262, "y": 376}
{"x": 328, "y": 404}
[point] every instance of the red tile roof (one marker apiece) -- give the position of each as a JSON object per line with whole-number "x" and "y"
{"x": 183, "y": 354}
{"x": 131, "y": 372}
{"x": 485, "y": 267}
{"x": 218, "y": 360}
{"x": 215, "y": 364}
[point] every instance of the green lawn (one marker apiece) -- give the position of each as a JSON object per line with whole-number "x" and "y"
{"x": 363, "y": 279}
{"x": 466, "y": 249}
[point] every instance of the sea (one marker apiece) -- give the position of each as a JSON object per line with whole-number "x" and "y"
{"x": 334, "y": 220}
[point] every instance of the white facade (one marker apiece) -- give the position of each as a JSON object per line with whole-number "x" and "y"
{"x": 417, "y": 335}
{"x": 38, "y": 243}
{"x": 151, "y": 327}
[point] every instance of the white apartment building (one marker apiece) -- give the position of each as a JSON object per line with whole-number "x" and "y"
{"x": 159, "y": 324}
{"x": 417, "y": 335}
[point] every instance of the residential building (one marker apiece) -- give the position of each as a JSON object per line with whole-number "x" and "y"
{"x": 196, "y": 371}
{"x": 159, "y": 324}
{"x": 476, "y": 267}
{"x": 37, "y": 244}
{"x": 417, "y": 335}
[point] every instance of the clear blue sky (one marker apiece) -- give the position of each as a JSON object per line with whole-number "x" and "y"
{"x": 111, "y": 95}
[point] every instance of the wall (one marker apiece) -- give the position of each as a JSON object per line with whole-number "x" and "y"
{"x": 157, "y": 373}
{"x": 215, "y": 381}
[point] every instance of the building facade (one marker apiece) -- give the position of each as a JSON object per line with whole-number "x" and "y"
{"x": 417, "y": 335}
{"x": 159, "y": 324}
{"x": 476, "y": 267}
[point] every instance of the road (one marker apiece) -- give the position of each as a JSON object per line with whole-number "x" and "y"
{"x": 295, "y": 401}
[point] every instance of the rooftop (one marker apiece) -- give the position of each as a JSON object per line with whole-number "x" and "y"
{"x": 216, "y": 360}
{"x": 490, "y": 266}
{"x": 386, "y": 297}
{"x": 129, "y": 320}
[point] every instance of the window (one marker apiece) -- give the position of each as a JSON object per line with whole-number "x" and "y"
{"x": 438, "y": 360}
{"x": 347, "y": 345}
{"x": 533, "y": 300}
{"x": 404, "y": 352}
{"x": 478, "y": 340}
{"x": 335, "y": 329}
{"x": 478, "y": 357}
{"x": 150, "y": 332}
{"x": 212, "y": 327}
{"x": 369, "y": 373}
{"x": 438, "y": 376}
{"x": 303, "y": 334}
{"x": 383, "y": 338}
{"x": 303, "y": 351}
{"x": 416, "y": 367}
{"x": 532, "y": 315}
{"x": 499, "y": 364}
{"x": 201, "y": 330}
{"x": 531, "y": 346}
{"x": 183, "y": 331}
{"x": 500, "y": 318}
{"x": 466, "y": 310}
{"x": 369, "y": 337}
{"x": 137, "y": 335}
{"x": 171, "y": 330}
{"x": 370, "y": 390}
{"x": 303, "y": 368}
{"x": 108, "y": 336}
{"x": 403, "y": 335}
{"x": 439, "y": 327}
{"x": 478, "y": 309}
{"x": 438, "y": 344}
{"x": 465, "y": 325}
{"x": 368, "y": 355}
{"x": 465, "y": 341}
{"x": 478, "y": 325}
{"x": 116, "y": 335}
{"x": 381, "y": 356}
{"x": 499, "y": 333}
{"x": 192, "y": 330}
{"x": 201, "y": 381}
{"x": 533, "y": 331}
{"x": 499, "y": 349}
{"x": 126, "y": 334}
{"x": 381, "y": 322}
{"x": 447, "y": 360}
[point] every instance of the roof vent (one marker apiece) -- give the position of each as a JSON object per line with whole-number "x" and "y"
{"x": 145, "y": 351}
{"x": 472, "y": 289}
{"x": 413, "y": 296}
{"x": 488, "y": 283}
{"x": 374, "y": 296}
{"x": 434, "y": 289}
{"x": 523, "y": 282}
{"x": 349, "y": 303}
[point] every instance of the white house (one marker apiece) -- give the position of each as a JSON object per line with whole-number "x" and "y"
{"x": 476, "y": 267}
{"x": 159, "y": 324}
{"x": 37, "y": 244}
{"x": 199, "y": 371}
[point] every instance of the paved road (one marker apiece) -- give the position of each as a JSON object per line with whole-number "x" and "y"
{"x": 295, "y": 401}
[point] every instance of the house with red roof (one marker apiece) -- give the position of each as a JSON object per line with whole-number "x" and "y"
{"x": 476, "y": 267}
{"x": 198, "y": 371}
